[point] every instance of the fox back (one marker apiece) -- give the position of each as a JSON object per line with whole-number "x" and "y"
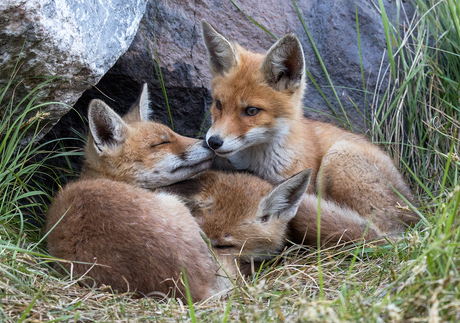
{"x": 131, "y": 239}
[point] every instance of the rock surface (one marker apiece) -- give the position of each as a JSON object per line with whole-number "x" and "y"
{"x": 76, "y": 40}
{"x": 174, "y": 28}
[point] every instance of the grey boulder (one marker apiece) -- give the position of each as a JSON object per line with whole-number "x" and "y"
{"x": 76, "y": 41}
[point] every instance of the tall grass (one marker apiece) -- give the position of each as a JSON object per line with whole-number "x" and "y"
{"x": 421, "y": 119}
{"x": 23, "y": 197}
{"x": 416, "y": 279}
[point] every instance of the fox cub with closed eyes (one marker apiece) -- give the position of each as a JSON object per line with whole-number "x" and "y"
{"x": 112, "y": 226}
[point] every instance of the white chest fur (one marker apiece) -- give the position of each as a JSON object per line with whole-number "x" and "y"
{"x": 269, "y": 158}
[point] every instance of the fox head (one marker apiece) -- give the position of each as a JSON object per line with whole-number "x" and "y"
{"x": 256, "y": 98}
{"x": 245, "y": 217}
{"x": 135, "y": 150}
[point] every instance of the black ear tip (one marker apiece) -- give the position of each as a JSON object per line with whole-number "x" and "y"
{"x": 303, "y": 176}
{"x": 291, "y": 39}
{"x": 291, "y": 36}
{"x": 305, "y": 172}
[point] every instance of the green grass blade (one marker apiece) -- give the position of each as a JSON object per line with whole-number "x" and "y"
{"x": 322, "y": 65}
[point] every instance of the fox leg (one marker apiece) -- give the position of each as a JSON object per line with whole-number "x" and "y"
{"x": 362, "y": 177}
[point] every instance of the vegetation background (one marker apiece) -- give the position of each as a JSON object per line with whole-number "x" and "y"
{"x": 415, "y": 280}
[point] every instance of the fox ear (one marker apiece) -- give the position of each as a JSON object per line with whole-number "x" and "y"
{"x": 107, "y": 129}
{"x": 284, "y": 200}
{"x": 139, "y": 111}
{"x": 284, "y": 65}
{"x": 222, "y": 56}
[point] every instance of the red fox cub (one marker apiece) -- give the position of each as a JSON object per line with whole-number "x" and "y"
{"x": 258, "y": 125}
{"x": 245, "y": 218}
{"x": 138, "y": 239}
{"x": 225, "y": 207}
{"x": 132, "y": 150}
{"x": 109, "y": 227}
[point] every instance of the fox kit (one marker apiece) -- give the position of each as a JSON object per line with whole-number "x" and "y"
{"x": 258, "y": 125}
{"x": 138, "y": 239}
{"x": 227, "y": 206}
{"x": 245, "y": 218}
{"x": 146, "y": 154}
{"x": 111, "y": 226}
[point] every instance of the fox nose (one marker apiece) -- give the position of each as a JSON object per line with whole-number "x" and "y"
{"x": 215, "y": 142}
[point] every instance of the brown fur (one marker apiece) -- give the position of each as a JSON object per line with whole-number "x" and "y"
{"x": 349, "y": 170}
{"x": 225, "y": 206}
{"x": 137, "y": 149}
{"x": 137, "y": 239}
{"x": 339, "y": 224}
{"x": 141, "y": 239}
{"x": 140, "y": 155}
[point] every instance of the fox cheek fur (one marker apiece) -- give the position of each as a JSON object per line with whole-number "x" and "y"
{"x": 134, "y": 150}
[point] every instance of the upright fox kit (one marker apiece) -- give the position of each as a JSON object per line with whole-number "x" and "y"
{"x": 258, "y": 125}
{"x": 112, "y": 225}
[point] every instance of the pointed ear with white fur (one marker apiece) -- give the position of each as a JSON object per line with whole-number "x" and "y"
{"x": 222, "y": 56}
{"x": 284, "y": 200}
{"x": 140, "y": 111}
{"x": 284, "y": 65}
{"x": 107, "y": 128}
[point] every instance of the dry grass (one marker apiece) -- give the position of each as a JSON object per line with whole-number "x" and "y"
{"x": 358, "y": 282}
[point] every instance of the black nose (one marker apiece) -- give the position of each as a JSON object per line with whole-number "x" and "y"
{"x": 215, "y": 142}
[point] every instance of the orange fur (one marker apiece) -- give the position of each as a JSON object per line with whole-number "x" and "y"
{"x": 277, "y": 141}
{"x": 131, "y": 239}
{"x": 229, "y": 208}
{"x": 110, "y": 225}
{"x": 225, "y": 206}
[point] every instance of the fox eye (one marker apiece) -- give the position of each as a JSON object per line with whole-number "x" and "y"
{"x": 251, "y": 111}
{"x": 265, "y": 218}
{"x": 224, "y": 246}
{"x": 161, "y": 143}
{"x": 218, "y": 105}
